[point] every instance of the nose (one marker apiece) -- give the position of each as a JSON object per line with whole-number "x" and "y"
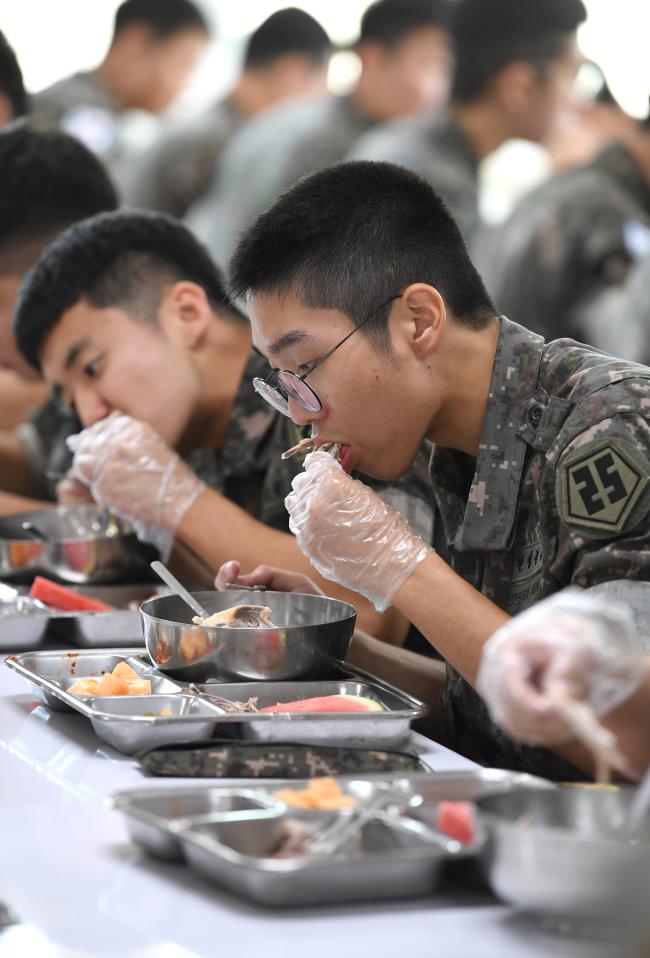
{"x": 301, "y": 416}
{"x": 90, "y": 407}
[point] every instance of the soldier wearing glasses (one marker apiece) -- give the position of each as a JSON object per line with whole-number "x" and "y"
{"x": 127, "y": 315}
{"x": 541, "y": 464}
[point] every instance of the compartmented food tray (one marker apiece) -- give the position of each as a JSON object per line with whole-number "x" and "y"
{"x": 231, "y": 836}
{"x": 84, "y": 629}
{"x": 172, "y": 712}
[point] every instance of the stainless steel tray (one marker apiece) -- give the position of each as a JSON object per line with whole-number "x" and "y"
{"x": 385, "y": 729}
{"x": 84, "y": 629}
{"x": 122, "y": 720}
{"x": 391, "y": 856}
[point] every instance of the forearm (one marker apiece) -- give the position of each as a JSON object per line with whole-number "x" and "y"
{"x": 450, "y": 613}
{"x": 218, "y": 530}
{"x": 10, "y": 504}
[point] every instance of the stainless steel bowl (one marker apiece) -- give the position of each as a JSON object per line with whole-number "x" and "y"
{"x": 312, "y": 632}
{"x": 84, "y": 545}
{"x": 558, "y": 853}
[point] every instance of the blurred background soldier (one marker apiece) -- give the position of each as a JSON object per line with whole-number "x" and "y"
{"x": 286, "y": 56}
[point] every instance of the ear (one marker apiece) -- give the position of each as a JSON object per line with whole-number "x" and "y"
{"x": 425, "y": 318}
{"x": 185, "y": 314}
{"x": 514, "y": 85}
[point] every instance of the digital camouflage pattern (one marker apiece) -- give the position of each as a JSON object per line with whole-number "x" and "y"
{"x": 559, "y": 495}
{"x": 568, "y": 244}
{"x": 177, "y": 170}
{"x": 434, "y": 147}
{"x": 234, "y": 759}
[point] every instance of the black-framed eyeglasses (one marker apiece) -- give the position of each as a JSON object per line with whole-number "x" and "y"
{"x": 288, "y": 385}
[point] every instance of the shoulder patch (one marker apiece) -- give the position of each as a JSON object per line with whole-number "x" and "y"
{"x": 599, "y": 484}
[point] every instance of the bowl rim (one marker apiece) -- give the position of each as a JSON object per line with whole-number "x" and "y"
{"x": 124, "y": 534}
{"x": 216, "y": 629}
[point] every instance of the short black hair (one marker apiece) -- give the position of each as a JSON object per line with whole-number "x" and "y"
{"x": 490, "y": 34}
{"x": 389, "y": 21}
{"x": 49, "y": 181}
{"x": 287, "y": 31}
{"x": 163, "y": 17}
{"x": 11, "y": 78}
{"x": 115, "y": 259}
{"x": 351, "y": 236}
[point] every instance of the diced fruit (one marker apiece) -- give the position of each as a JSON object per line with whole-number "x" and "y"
{"x": 328, "y": 703}
{"x": 58, "y": 597}
{"x": 112, "y": 685}
{"x": 121, "y": 681}
{"x": 324, "y": 794}
{"x": 84, "y": 687}
{"x": 125, "y": 670}
{"x": 138, "y": 687}
{"x": 456, "y": 819}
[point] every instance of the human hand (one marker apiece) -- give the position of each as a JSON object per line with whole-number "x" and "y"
{"x": 278, "y": 580}
{"x": 349, "y": 534}
{"x": 568, "y": 647}
{"x": 131, "y": 470}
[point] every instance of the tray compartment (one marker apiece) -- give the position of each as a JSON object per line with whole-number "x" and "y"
{"x": 150, "y": 813}
{"x": 386, "y": 729}
{"x": 134, "y": 722}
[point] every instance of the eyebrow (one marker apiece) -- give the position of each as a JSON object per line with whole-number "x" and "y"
{"x": 291, "y": 338}
{"x": 74, "y": 352}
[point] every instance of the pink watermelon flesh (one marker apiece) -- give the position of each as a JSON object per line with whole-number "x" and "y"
{"x": 327, "y": 703}
{"x": 456, "y": 819}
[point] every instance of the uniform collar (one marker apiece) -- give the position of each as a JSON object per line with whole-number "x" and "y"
{"x": 514, "y": 406}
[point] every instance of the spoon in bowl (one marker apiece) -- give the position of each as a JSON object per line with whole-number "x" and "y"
{"x": 179, "y": 589}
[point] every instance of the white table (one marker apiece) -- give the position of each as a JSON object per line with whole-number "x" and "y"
{"x": 70, "y": 873}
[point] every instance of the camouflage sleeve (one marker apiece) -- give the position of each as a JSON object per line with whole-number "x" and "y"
{"x": 602, "y": 491}
{"x": 551, "y": 259}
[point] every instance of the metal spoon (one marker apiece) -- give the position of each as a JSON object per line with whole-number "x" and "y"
{"x": 179, "y": 589}
{"x": 33, "y": 531}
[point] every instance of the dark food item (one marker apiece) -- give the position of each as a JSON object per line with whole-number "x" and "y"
{"x": 234, "y": 759}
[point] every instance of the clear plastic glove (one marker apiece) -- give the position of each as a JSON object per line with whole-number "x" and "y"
{"x": 349, "y": 534}
{"x": 570, "y": 646}
{"x": 130, "y": 470}
{"x": 278, "y": 580}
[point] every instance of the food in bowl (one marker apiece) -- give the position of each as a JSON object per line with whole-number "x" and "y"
{"x": 237, "y": 617}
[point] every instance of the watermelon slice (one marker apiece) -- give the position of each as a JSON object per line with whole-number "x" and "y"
{"x": 456, "y": 819}
{"x": 328, "y": 703}
{"x": 58, "y": 597}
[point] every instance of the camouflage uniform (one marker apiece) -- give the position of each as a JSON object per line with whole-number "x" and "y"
{"x": 559, "y": 495}
{"x": 248, "y": 469}
{"x": 435, "y": 148}
{"x": 569, "y": 244}
{"x": 286, "y": 142}
{"x": 176, "y": 171}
